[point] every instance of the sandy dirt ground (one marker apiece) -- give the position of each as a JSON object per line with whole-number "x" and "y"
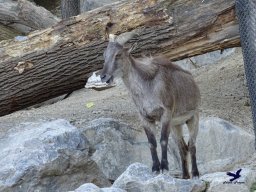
{"x": 224, "y": 91}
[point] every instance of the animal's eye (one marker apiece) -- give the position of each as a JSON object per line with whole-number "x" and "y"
{"x": 118, "y": 54}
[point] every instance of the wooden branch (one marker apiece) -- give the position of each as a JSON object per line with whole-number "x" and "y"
{"x": 25, "y": 16}
{"x": 59, "y": 59}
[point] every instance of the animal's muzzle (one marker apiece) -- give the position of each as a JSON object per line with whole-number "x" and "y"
{"x": 105, "y": 78}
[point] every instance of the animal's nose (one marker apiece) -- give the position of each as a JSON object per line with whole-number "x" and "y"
{"x": 102, "y": 76}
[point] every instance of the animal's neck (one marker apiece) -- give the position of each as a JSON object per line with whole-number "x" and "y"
{"x": 127, "y": 68}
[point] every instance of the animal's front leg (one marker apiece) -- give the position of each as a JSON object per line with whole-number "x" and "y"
{"x": 153, "y": 145}
{"x": 165, "y": 132}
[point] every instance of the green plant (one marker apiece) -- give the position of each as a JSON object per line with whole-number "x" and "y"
{"x": 253, "y": 187}
{"x": 207, "y": 183}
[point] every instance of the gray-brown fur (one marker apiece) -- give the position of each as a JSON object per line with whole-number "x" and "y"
{"x": 163, "y": 92}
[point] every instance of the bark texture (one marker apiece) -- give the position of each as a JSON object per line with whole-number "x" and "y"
{"x": 7, "y": 32}
{"x": 59, "y": 59}
{"x": 25, "y": 16}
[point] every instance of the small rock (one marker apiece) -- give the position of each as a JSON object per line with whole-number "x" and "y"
{"x": 94, "y": 82}
{"x": 21, "y": 38}
{"x": 89, "y": 187}
{"x": 247, "y": 103}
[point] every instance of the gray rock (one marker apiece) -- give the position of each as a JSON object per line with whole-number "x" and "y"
{"x": 139, "y": 178}
{"x": 204, "y": 59}
{"x": 220, "y": 145}
{"x": 87, "y": 5}
{"x": 220, "y": 181}
{"x": 89, "y": 187}
{"x": 49, "y": 156}
{"x": 113, "y": 143}
{"x": 94, "y": 82}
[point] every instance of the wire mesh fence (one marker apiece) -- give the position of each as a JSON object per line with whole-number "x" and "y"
{"x": 246, "y": 13}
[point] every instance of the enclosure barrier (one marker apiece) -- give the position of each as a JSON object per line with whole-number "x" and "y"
{"x": 246, "y": 13}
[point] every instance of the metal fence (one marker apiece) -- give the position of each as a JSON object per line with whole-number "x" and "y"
{"x": 246, "y": 13}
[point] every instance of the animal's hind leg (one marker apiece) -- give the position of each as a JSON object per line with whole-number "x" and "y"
{"x": 153, "y": 146}
{"x": 193, "y": 125}
{"x": 183, "y": 149}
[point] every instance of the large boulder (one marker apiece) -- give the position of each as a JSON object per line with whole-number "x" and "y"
{"x": 46, "y": 156}
{"x": 113, "y": 144}
{"x": 139, "y": 178}
{"x": 220, "y": 145}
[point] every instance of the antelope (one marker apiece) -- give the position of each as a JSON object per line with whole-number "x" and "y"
{"x": 163, "y": 93}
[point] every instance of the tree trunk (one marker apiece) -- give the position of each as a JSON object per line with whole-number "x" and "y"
{"x": 59, "y": 59}
{"x": 7, "y": 32}
{"x": 25, "y": 16}
{"x": 69, "y": 8}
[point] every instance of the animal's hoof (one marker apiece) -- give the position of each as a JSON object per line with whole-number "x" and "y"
{"x": 155, "y": 173}
{"x": 185, "y": 177}
{"x": 195, "y": 174}
{"x": 156, "y": 167}
{"x": 165, "y": 172}
{"x": 195, "y": 177}
{"x": 164, "y": 165}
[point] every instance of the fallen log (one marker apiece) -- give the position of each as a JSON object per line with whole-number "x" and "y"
{"x": 7, "y": 32}
{"x": 25, "y": 16}
{"x": 59, "y": 59}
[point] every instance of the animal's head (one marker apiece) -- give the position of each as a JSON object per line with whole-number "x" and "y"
{"x": 112, "y": 54}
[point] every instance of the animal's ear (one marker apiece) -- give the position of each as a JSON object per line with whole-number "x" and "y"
{"x": 124, "y": 37}
{"x": 133, "y": 47}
